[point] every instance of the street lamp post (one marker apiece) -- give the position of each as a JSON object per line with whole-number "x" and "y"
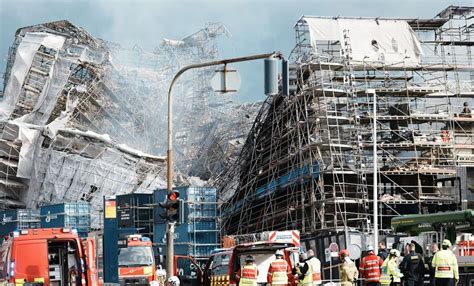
{"x": 375, "y": 171}
{"x": 169, "y": 183}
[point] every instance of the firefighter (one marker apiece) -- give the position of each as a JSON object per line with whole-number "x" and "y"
{"x": 413, "y": 267}
{"x": 279, "y": 270}
{"x": 315, "y": 267}
{"x": 248, "y": 274}
{"x": 390, "y": 272}
{"x": 446, "y": 266}
{"x": 370, "y": 267}
{"x": 347, "y": 269}
{"x": 434, "y": 249}
{"x": 303, "y": 271}
{"x": 309, "y": 272}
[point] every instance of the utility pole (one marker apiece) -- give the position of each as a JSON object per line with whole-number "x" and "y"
{"x": 375, "y": 171}
{"x": 169, "y": 184}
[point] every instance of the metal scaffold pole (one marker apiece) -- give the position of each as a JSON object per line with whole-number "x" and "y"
{"x": 375, "y": 187}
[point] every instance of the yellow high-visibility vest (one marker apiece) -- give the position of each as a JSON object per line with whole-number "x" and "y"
{"x": 445, "y": 264}
{"x": 315, "y": 270}
{"x": 390, "y": 272}
{"x": 278, "y": 272}
{"x": 249, "y": 274}
{"x": 393, "y": 270}
{"x": 385, "y": 278}
{"x": 308, "y": 278}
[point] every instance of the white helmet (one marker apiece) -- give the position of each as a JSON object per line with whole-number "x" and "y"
{"x": 279, "y": 252}
{"x": 173, "y": 281}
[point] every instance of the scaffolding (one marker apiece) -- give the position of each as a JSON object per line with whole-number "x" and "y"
{"x": 203, "y": 223}
{"x": 307, "y": 162}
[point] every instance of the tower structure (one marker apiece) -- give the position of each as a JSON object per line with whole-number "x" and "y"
{"x": 307, "y": 163}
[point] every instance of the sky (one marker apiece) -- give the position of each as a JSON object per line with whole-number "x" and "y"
{"x": 255, "y": 26}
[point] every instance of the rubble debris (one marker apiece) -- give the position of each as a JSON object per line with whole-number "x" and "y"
{"x": 80, "y": 117}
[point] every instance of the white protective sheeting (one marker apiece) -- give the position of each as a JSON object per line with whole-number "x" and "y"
{"x": 24, "y": 56}
{"x": 81, "y": 166}
{"x": 390, "y": 42}
{"x": 28, "y": 137}
{"x": 61, "y": 176}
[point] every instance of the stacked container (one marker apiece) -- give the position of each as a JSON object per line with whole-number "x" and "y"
{"x": 199, "y": 233}
{"x": 18, "y": 219}
{"x": 71, "y": 215}
{"x": 136, "y": 211}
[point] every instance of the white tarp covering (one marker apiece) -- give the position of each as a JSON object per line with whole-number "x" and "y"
{"x": 28, "y": 138}
{"x": 391, "y": 42}
{"x": 67, "y": 177}
{"x": 23, "y": 59}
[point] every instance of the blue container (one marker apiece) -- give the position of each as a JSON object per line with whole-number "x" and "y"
{"x": 11, "y": 220}
{"x": 70, "y": 215}
{"x": 136, "y": 211}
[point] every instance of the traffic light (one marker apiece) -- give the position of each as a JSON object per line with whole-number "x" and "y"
{"x": 173, "y": 208}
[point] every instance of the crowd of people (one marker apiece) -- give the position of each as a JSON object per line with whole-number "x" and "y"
{"x": 382, "y": 269}
{"x": 388, "y": 268}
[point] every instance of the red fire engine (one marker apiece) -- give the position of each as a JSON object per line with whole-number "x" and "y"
{"x": 53, "y": 256}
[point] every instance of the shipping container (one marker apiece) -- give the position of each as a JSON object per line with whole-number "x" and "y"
{"x": 136, "y": 211}
{"x": 71, "y": 215}
{"x": 18, "y": 219}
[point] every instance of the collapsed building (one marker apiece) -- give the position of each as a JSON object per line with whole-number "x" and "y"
{"x": 308, "y": 161}
{"x": 80, "y": 117}
{"x": 57, "y": 111}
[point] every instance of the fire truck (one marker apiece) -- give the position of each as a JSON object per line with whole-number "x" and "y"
{"x": 136, "y": 261}
{"x": 53, "y": 256}
{"x": 222, "y": 266}
{"x": 224, "y": 263}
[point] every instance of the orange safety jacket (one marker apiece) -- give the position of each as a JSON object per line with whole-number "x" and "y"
{"x": 370, "y": 267}
{"x": 249, "y": 275}
{"x": 278, "y": 272}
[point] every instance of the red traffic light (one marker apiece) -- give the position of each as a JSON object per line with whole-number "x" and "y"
{"x": 173, "y": 196}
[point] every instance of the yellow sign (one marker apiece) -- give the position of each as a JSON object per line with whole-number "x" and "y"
{"x": 110, "y": 209}
{"x": 147, "y": 270}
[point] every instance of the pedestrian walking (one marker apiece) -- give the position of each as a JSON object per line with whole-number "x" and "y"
{"x": 247, "y": 275}
{"x": 382, "y": 253}
{"x": 279, "y": 270}
{"x": 446, "y": 266}
{"x": 370, "y": 268}
{"x": 347, "y": 269}
{"x": 413, "y": 267}
{"x": 391, "y": 274}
